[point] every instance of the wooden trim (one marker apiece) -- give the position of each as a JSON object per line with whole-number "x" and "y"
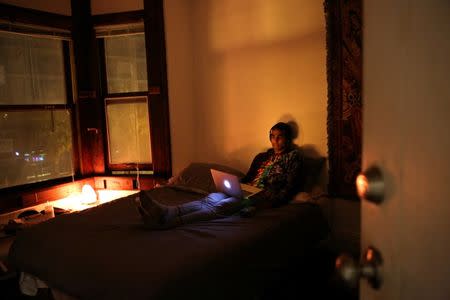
{"x": 344, "y": 69}
{"x": 70, "y": 97}
{"x": 31, "y": 195}
{"x": 26, "y": 107}
{"x": 12, "y": 196}
{"x": 90, "y": 107}
{"x": 103, "y": 92}
{"x": 130, "y": 166}
{"x": 125, "y": 95}
{"x": 127, "y": 182}
{"x": 35, "y": 17}
{"x": 113, "y": 183}
{"x": 157, "y": 77}
{"x": 67, "y": 72}
{"x": 102, "y": 67}
{"x": 118, "y": 18}
{"x": 54, "y": 193}
{"x": 134, "y": 99}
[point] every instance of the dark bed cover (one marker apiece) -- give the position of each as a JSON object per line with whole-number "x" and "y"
{"x": 105, "y": 253}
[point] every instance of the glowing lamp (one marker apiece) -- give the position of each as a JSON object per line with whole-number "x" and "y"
{"x": 88, "y": 195}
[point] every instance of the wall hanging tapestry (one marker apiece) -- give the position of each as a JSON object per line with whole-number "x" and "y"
{"x": 344, "y": 76}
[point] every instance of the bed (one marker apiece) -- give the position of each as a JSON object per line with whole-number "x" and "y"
{"x": 105, "y": 253}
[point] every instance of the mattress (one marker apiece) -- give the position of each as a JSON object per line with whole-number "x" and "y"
{"x": 105, "y": 252}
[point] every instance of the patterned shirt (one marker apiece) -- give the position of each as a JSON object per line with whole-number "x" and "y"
{"x": 264, "y": 170}
{"x": 277, "y": 174}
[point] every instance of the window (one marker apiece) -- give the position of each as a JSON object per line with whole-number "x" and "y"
{"x": 35, "y": 118}
{"x": 142, "y": 56}
{"x": 31, "y": 70}
{"x": 128, "y": 117}
{"x": 126, "y": 100}
{"x": 126, "y": 67}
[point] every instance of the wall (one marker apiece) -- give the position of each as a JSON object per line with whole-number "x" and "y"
{"x": 180, "y": 66}
{"x": 243, "y": 66}
{"x": 235, "y": 68}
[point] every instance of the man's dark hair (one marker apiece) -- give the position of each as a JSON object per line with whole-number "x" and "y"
{"x": 285, "y": 128}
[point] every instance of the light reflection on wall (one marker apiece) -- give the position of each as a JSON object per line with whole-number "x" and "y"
{"x": 256, "y": 63}
{"x": 255, "y": 22}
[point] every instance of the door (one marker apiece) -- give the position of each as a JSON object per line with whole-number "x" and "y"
{"x": 406, "y": 132}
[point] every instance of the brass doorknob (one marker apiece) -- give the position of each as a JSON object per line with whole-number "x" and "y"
{"x": 370, "y": 185}
{"x": 369, "y": 268}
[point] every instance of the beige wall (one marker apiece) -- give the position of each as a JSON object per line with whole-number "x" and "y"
{"x": 180, "y": 65}
{"x": 253, "y": 63}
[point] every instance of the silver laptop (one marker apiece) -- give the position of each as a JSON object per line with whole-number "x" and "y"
{"x": 229, "y": 184}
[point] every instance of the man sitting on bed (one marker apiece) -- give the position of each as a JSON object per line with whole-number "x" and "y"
{"x": 275, "y": 172}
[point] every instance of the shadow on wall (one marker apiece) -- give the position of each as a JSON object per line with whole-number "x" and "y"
{"x": 237, "y": 159}
{"x": 314, "y": 174}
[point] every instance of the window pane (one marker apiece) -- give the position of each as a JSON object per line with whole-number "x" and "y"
{"x": 31, "y": 70}
{"x": 128, "y": 131}
{"x": 34, "y": 146}
{"x": 126, "y": 64}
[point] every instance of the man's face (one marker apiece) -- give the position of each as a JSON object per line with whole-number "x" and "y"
{"x": 278, "y": 140}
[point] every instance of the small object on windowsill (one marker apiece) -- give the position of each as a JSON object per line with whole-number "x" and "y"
{"x": 61, "y": 211}
{"x": 28, "y": 213}
{"x": 28, "y": 218}
{"x": 49, "y": 211}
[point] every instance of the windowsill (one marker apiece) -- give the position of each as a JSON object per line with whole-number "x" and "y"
{"x": 76, "y": 203}
{"x": 72, "y": 203}
{"x": 107, "y": 187}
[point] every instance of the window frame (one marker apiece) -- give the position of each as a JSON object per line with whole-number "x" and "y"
{"x": 34, "y": 21}
{"x": 119, "y": 168}
{"x": 84, "y": 91}
{"x": 122, "y": 168}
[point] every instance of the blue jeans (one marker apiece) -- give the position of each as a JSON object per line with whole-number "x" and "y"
{"x": 213, "y": 206}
